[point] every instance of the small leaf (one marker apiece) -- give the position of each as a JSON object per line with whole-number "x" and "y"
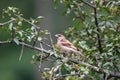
{"x": 44, "y": 32}
{"x": 40, "y": 17}
{"x": 10, "y": 26}
{"x": 39, "y": 38}
{"x": 20, "y": 33}
{"x": 16, "y": 41}
{"x": 55, "y": 4}
{"x": 20, "y": 23}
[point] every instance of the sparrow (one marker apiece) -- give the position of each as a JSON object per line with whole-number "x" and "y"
{"x": 65, "y": 46}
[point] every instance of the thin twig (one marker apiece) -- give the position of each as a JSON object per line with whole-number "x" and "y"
{"x": 37, "y": 35}
{"x": 40, "y": 57}
{"x": 21, "y": 52}
{"x": 27, "y": 21}
{"x": 35, "y": 26}
{"x": 54, "y": 70}
{"x": 61, "y": 76}
{"x": 98, "y": 30}
{"x": 46, "y": 44}
{"x": 52, "y": 43}
{"x": 83, "y": 63}
{"x": 96, "y": 24}
{"x": 87, "y": 3}
{"x": 12, "y": 33}
{"x": 40, "y": 63}
{"x": 65, "y": 60}
{"x": 27, "y": 45}
{"x": 10, "y": 21}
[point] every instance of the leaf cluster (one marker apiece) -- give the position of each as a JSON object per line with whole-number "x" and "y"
{"x": 84, "y": 33}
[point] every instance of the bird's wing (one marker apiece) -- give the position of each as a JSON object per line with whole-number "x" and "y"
{"x": 68, "y": 44}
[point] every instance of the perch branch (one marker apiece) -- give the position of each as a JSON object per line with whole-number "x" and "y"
{"x": 117, "y": 74}
{"x": 83, "y": 63}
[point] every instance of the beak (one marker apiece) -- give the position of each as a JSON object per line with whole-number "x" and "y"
{"x": 56, "y": 35}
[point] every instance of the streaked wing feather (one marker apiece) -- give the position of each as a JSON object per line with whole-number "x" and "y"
{"x": 68, "y": 44}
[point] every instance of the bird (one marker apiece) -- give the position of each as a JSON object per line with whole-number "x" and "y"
{"x": 65, "y": 46}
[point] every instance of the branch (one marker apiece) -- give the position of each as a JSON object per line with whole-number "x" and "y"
{"x": 112, "y": 74}
{"x": 27, "y": 45}
{"x": 61, "y": 76}
{"x": 83, "y": 63}
{"x": 46, "y": 44}
{"x": 54, "y": 70}
{"x": 27, "y": 21}
{"x": 116, "y": 74}
{"x": 10, "y": 21}
{"x": 87, "y": 3}
{"x": 52, "y": 43}
{"x": 37, "y": 35}
{"x": 65, "y": 60}
{"x": 98, "y": 30}
{"x": 12, "y": 33}
{"x": 96, "y": 24}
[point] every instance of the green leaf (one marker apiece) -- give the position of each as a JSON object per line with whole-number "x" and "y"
{"x": 20, "y": 23}
{"x": 10, "y": 26}
{"x": 44, "y": 32}
{"x": 20, "y": 33}
{"x": 16, "y": 41}
{"x": 55, "y": 4}
{"x": 40, "y": 17}
{"x": 39, "y": 38}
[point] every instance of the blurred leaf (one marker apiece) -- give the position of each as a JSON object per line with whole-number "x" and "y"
{"x": 20, "y": 23}
{"x": 10, "y": 26}
{"x": 39, "y": 38}
{"x": 16, "y": 41}
{"x": 55, "y": 4}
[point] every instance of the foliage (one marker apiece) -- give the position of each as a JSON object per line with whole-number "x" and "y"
{"x": 96, "y": 31}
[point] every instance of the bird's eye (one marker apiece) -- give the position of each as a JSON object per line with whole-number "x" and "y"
{"x": 59, "y": 35}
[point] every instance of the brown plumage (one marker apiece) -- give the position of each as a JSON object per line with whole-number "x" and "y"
{"x": 66, "y": 46}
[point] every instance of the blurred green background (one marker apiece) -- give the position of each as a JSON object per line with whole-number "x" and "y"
{"x": 10, "y": 67}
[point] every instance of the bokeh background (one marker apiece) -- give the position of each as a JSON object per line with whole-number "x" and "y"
{"x": 10, "y": 67}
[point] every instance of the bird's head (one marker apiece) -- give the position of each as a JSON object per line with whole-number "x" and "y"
{"x": 59, "y": 35}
